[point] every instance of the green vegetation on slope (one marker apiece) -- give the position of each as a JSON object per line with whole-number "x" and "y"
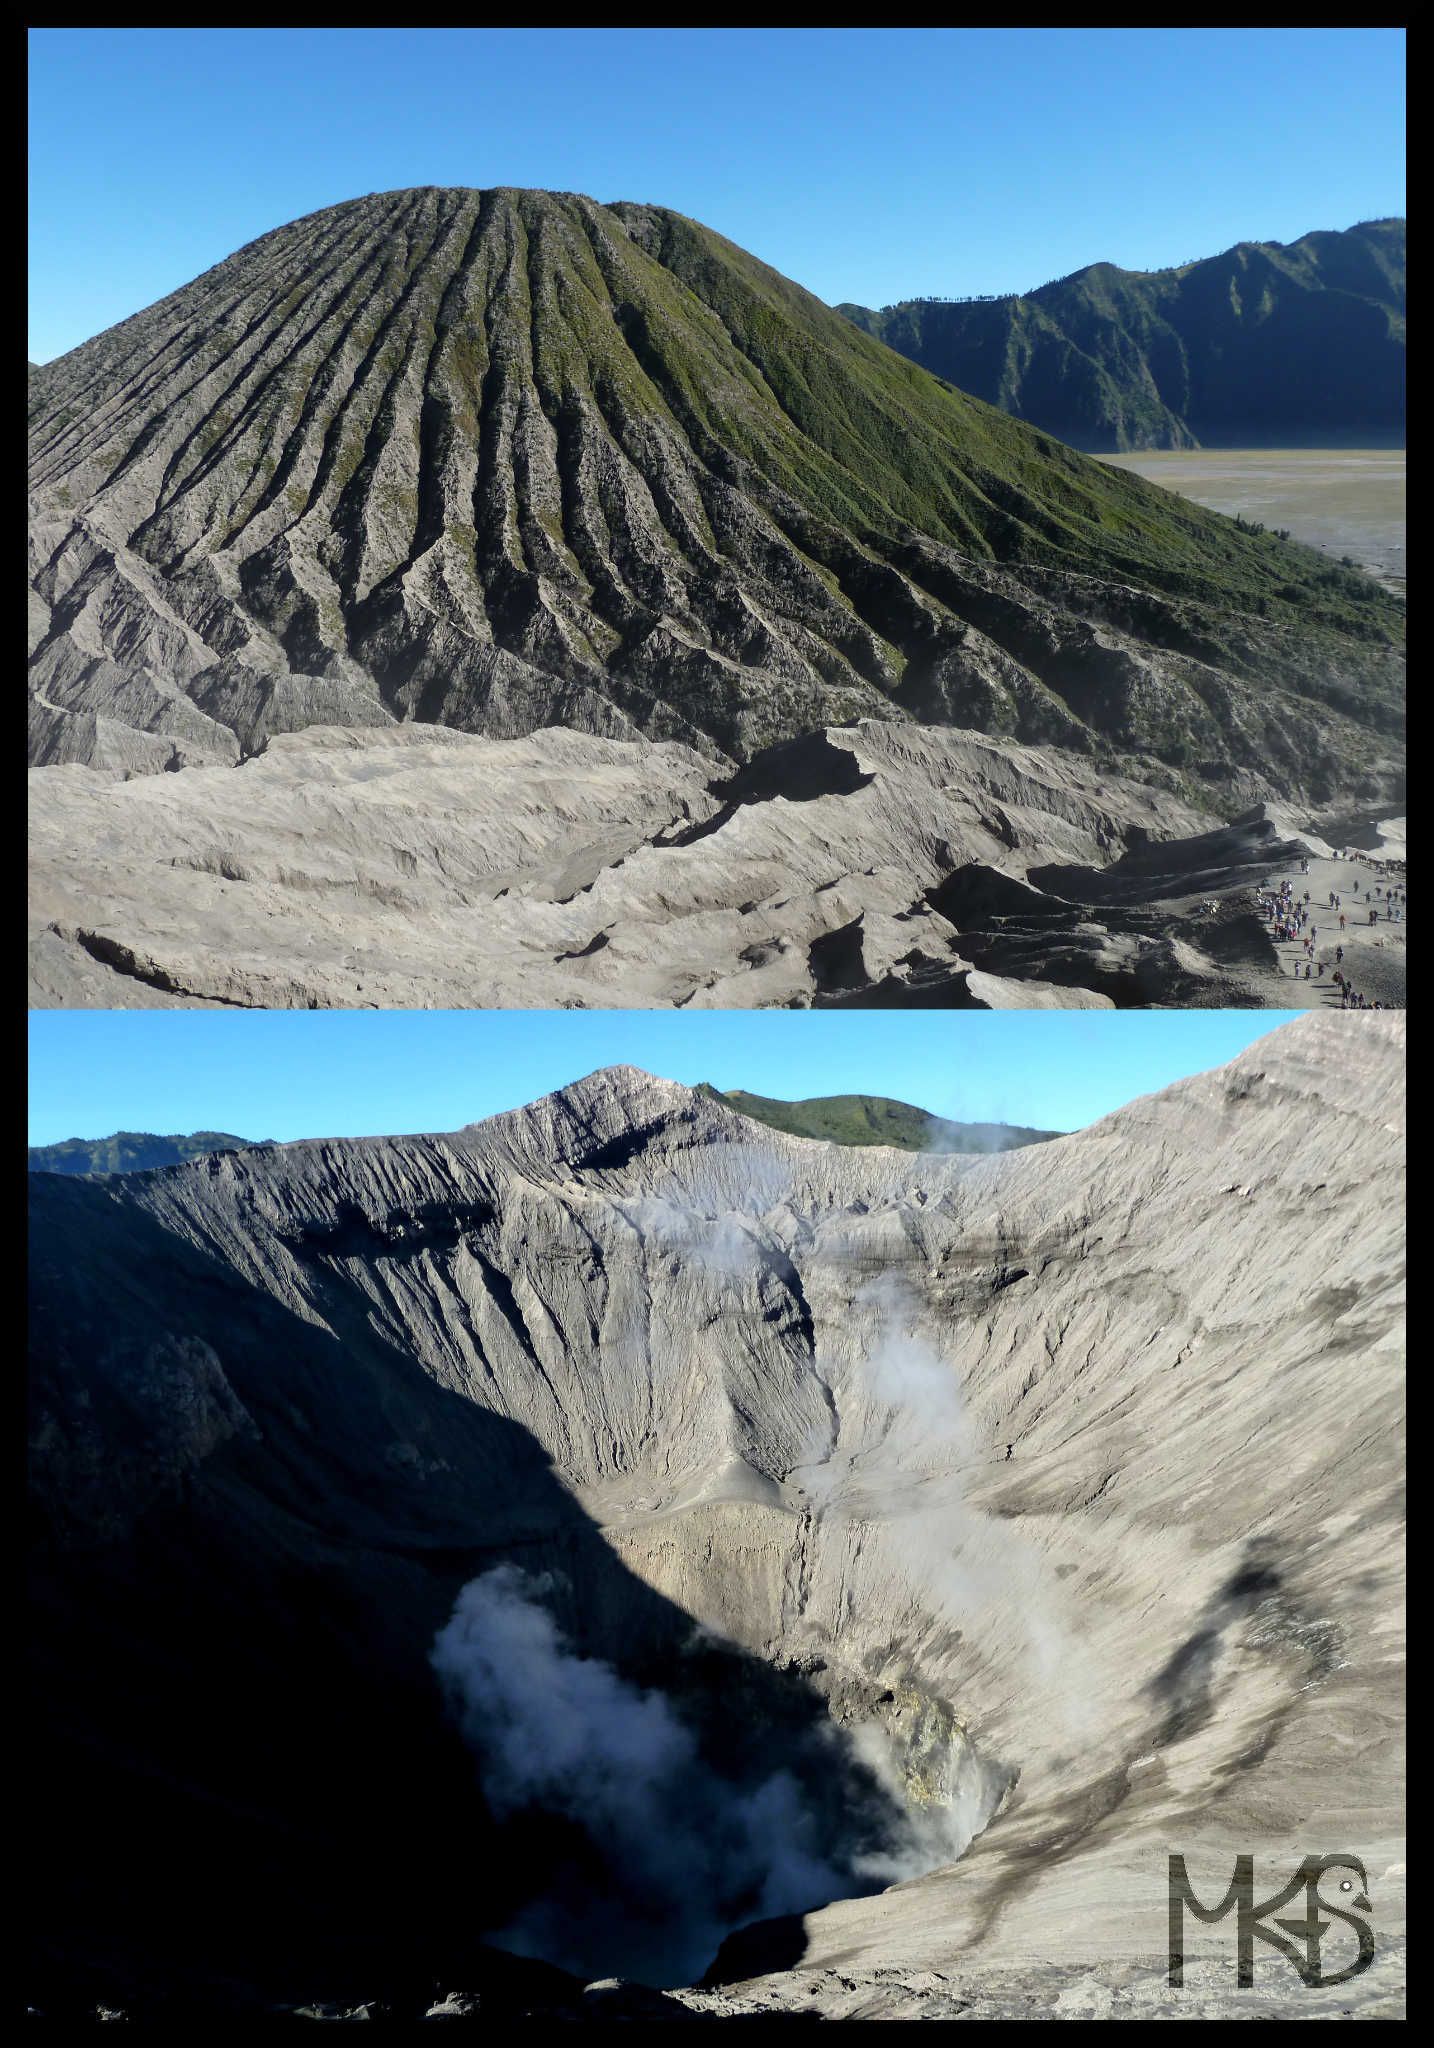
{"x": 876, "y": 1120}
{"x": 516, "y": 459}
{"x": 1265, "y": 345}
{"x": 131, "y": 1151}
{"x": 882, "y": 445}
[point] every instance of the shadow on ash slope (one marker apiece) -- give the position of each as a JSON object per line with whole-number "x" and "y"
{"x": 689, "y": 1832}
{"x": 791, "y": 1516}
{"x": 881, "y": 863}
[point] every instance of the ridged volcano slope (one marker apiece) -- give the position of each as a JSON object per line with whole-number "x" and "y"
{"x": 506, "y": 459}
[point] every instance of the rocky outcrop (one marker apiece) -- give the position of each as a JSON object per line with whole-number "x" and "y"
{"x": 1080, "y": 1464}
{"x": 881, "y": 863}
{"x": 504, "y": 460}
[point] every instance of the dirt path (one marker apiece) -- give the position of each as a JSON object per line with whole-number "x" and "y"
{"x": 1374, "y": 955}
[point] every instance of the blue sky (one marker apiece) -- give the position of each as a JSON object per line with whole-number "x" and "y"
{"x": 868, "y": 164}
{"x": 350, "y": 1073}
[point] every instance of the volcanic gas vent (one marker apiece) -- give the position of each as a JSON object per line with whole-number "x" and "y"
{"x": 707, "y": 1794}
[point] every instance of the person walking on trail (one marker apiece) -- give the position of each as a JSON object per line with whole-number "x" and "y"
{"x": 1342, "y": 920}
{"x": 1339, "y": 952}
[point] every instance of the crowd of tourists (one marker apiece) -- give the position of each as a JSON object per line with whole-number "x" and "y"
{"x": 1292, "y": 916}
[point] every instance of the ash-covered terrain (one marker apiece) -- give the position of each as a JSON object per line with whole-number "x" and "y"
{"x": 623, "y": 1540}
{"x": 883, "y": 863}
{"x": 510, "y": 463}
{"x": 506, "y": 459}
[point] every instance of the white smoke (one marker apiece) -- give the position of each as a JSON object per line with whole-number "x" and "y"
{"x": 908, "y": 1450}
{"x": 721, "y": 1244}
{"x": 933, "y": 1835}
{"x": 683, "y": 1855}
{"x": 978, "y": 1138}
{"x": 672, "y": 1854}
{"x": 903, "y": 1374}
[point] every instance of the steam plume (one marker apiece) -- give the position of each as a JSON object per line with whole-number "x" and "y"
{"x": 668, "y": 1855}
{"x": 676, "y": 1856}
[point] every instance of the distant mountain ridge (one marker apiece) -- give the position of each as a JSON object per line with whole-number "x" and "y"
{"x": 878, "y": 1120}
{"x": 1267, "y": 344}
{"x": 840, "y": 1119}
{"x": 132, "y": 1151}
